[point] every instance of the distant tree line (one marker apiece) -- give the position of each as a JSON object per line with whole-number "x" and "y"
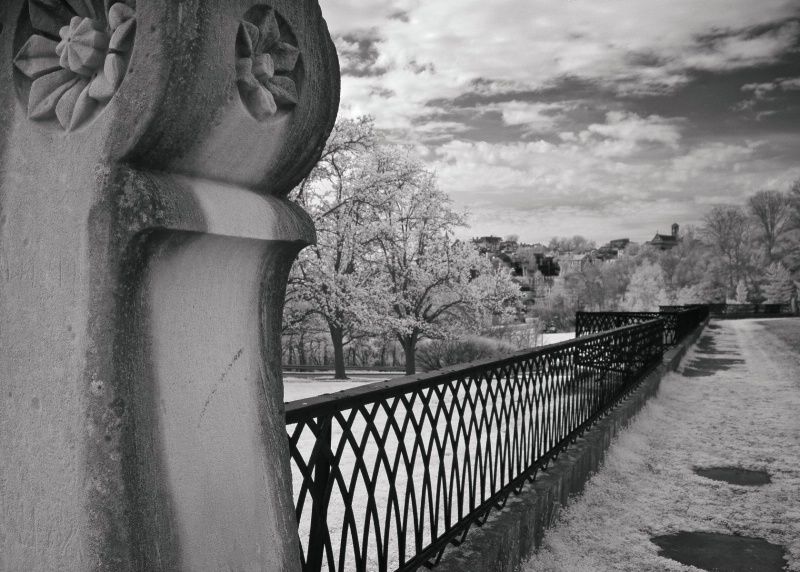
{"x": 739, "y": 254}
{"x": 387, "y": 277}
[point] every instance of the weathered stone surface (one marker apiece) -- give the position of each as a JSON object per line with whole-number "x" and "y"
{"x": 143, "y": 255}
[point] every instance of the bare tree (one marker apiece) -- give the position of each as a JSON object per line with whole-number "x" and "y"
{"x": 726, "y": 230}
{"x": 577, "y": 243}
{"x": 794, "y": 198}
{"x": 771, "y": 210}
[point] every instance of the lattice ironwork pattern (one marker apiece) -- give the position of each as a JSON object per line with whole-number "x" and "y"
{"x": 386, "y": 476}
{"x": 594, "y": 322}
{"x": 679, "y": 321}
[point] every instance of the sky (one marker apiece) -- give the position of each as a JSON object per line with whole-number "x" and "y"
{"x": 605, "y": 118}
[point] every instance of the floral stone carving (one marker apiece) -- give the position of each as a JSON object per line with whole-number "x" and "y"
{"x": 264, "y": 64}
{"x": 74, "y": 77}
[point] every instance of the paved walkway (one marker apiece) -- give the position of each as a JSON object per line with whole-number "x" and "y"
{"x": 735, "y": 402}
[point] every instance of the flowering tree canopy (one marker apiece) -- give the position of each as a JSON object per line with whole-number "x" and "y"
{"x": 386, "y": 259}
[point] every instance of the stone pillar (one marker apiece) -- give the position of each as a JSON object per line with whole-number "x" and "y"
{"x": 146, "y": 148}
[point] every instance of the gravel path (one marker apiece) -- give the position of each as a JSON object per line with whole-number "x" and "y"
{"x": 735, "y": 402}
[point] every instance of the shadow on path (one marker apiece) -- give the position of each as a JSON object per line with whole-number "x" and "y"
{"x": 703, "y": 366}
{"x": 735, "y": 476}
{"x": 711, "y": 551}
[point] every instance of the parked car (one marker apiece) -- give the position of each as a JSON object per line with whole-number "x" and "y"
{"x": 550, "y": 328}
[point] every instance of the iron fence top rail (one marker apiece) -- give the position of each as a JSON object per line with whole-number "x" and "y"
{"x": 329, "y": 403}
{"x": 608, "y": 313}
{"x": 330, "y": 367}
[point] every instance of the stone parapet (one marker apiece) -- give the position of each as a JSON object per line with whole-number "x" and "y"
{"x": 146, "y": 150}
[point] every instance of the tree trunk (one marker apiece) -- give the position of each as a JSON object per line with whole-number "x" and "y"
{"x": 337, "y": 339}
{"x": 409, "y": 342}
{"x": 301, "y": 349}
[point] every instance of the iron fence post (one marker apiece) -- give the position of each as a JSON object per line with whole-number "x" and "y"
{"x": 319, "y": 506}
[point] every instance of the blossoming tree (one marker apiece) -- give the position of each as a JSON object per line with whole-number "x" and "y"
{"x": 385, "y": 259}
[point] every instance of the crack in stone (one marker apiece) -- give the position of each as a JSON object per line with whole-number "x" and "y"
{"x": 217, "y": 384}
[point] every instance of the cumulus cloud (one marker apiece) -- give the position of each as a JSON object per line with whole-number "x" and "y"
{"x": 462, "y": 79}
{"x": 568, "y": 184}
{"x": 358, "y": 53}
{"x": 624, "y": 133}
{"x": 630, "y": 46}
{"x": 532, "y": 117}
{"x": 746, "y": 47}
{"x": 762, "y": 90}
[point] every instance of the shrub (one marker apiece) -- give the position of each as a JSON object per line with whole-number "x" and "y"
{"x": 436, "y": 354}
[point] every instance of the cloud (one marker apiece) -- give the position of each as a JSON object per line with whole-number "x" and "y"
{"x": 358, "y": 53}
{"x": 532, "y": 117}
{"x": 538, "y": 189}
{"x": 761, "y": 90}
{"x": 565, "y": 115}
{"x": 748, "y": 47}
{"x": 631, "y": 47}
{"x": 625, "y": 133}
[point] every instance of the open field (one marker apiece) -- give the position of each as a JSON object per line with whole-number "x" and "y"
{"x": 302, "y": 386}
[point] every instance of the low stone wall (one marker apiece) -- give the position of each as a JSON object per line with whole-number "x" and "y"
{"x": 511, "y": 535}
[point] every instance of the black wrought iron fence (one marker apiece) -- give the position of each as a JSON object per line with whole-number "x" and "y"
{"x": 587, "y": 323}
{"x": 679, "y": 321}
{"x": 687, "y": 320}
{"x": 387, "y": 475}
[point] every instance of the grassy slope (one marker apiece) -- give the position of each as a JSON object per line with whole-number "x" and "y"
{"x": 747, "y": 416}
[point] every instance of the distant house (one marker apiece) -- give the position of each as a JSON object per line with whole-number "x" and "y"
{"x": 488, "y": 243}
{"x": 533, "y": 257}
{"x": 509, "y": 246}
{"x": 614, "y": 249}
{"x": 666, "y": 241}
{"x": 575, "y": 262}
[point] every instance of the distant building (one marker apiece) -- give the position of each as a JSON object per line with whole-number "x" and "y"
{"x": 666, "y": 241}
{"x": 614, "y": 249}
{"x": 488, "y": 243}
{"x": 494, "y": 244}
{"x": 574, "y": 262}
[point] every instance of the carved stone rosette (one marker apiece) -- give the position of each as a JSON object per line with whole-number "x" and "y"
{"x": 265, "y": 59}
{"x": 73, "y": 78}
